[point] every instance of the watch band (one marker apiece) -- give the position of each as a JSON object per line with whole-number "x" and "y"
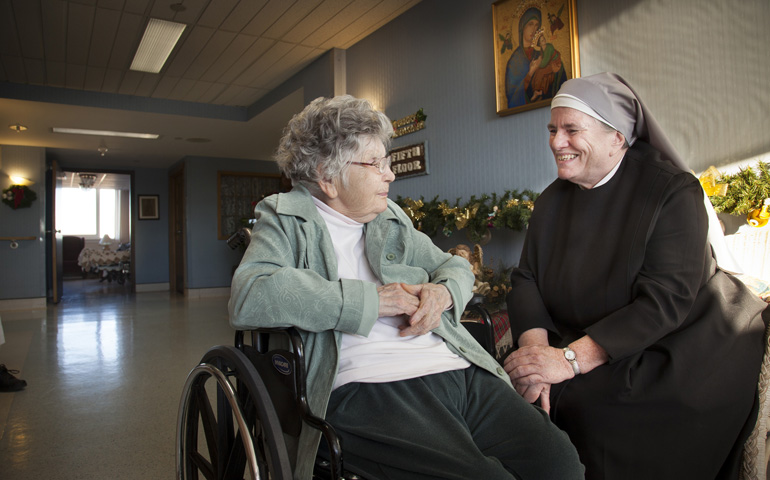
{"x": 571, "y": 357}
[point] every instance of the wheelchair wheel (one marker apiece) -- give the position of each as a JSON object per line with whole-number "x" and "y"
{"x": 227, "y": 422}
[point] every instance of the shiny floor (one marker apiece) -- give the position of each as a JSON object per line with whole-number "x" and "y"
{"x": 105, "y": 370}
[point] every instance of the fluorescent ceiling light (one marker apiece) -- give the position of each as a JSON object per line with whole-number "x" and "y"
{"x": 105, "y": 133}
{"x": 157, "y": 42}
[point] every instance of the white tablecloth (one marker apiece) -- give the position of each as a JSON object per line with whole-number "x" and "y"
{"x": 91, "y": 258}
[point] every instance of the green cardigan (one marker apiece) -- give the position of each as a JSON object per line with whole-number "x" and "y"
{"x": 288, "y": 277}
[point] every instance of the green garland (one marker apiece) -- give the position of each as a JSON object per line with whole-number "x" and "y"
{"x": 745, "y": 191}
{"x": 477, "y": 216}
{"x": 18, "y": 196}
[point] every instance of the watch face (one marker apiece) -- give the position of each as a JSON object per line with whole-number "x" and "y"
{"x": 569, "y": 354}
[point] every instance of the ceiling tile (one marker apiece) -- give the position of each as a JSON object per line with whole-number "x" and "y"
{"x": 14, "y": 68}
{"x": 76, "y": 76}
{"x": 130, "y": 82}
{"x": 209, "y": 54}
{"x": 106, "y": 25}
{"x": 235, "y": 52}
{"x": 185, "y": 54}
{"x": 242, "y": 14}
{"x": 136, "y": 6}
{"x": 112, "y": 79}
{"x": 216, "y": 13}
{"x": 79, "y": 23}
{"x": 94, "y": 78}
{"x": 181, "y": 88}
{"x": 147, "y": 84}
{"x": 270, "y": 59}
{"x": 255, "y": 51}
{"x": 55, "y": 73}
{"x": 292, "y": 17}
{"x": 127, "y": 40}
{"x": 314, "y": 21}
{"x": 31, "y": 36}
{"x": 213, "y": 92}
{"x": 35, "y": 70}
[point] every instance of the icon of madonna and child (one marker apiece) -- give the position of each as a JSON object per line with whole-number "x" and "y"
{"x": 535, "y": 70}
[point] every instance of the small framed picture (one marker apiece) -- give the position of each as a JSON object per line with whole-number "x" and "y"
{"x": 148, "y": 207}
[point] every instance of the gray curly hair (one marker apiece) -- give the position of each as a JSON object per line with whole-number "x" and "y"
{"x": 320, "y": 142}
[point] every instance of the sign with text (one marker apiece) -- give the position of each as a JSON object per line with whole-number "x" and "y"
{"x": 409, "y": 161}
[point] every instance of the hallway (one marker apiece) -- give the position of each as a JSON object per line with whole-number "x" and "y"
{"x": 105, "y": 372}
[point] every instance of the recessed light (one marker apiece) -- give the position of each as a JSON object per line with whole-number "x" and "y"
{"x": 105, "y": 133}
{"x": 18, "y": 128}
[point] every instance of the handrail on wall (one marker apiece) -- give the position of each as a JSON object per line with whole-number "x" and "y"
{"x": 15, "y": 240}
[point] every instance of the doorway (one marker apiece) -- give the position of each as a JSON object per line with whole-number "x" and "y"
{"x": 93, "y": 214}
{"x": 176, "y": 225}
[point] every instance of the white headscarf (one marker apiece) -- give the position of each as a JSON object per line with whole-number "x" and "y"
{"x": 611, "y": 100}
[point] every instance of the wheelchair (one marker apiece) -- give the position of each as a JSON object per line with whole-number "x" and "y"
{"x": 243, "y": 406}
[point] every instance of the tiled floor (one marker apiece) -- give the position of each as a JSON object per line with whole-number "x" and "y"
{"x": 105, "y": 370}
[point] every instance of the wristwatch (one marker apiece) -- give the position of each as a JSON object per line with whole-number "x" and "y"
{"x": 569, "y": 354}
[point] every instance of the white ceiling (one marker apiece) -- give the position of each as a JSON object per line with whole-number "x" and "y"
{"x": 232, "y": 53}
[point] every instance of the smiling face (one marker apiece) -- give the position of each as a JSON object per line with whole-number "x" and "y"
{"x": 585, "y": 151}
{"x": 365, "y": 194}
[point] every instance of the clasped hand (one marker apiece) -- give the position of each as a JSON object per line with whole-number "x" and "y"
{"x": 534, "y": 368}
{"x": 423, "y": 304}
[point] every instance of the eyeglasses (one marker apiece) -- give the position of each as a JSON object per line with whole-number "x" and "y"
{"x": 381, "y": 164}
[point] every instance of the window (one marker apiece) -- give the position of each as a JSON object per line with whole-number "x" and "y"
{"x": 88, "y": 213}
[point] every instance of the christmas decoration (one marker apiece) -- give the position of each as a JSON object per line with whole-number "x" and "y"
{"x": 477, "y": 216}
{"x": 744, "y": 193}
{"x": 758, "y": 217}
{"x": 18, "y": 196}
{"x": 493, "y": 284}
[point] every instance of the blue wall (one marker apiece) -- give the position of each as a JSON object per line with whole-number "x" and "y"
{"x": 23, "y": 270}
{"x": 210, "y": 261}
{"x": 150, "y": 243}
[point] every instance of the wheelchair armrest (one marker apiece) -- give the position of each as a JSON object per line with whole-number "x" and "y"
{"x": 241, "y": 237}
{"x": 481, "y": 328}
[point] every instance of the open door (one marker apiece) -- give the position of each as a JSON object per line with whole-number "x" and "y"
{"x": 53, "y": 236}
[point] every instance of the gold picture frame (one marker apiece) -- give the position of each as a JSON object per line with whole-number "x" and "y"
{"x": 548, "y": 30}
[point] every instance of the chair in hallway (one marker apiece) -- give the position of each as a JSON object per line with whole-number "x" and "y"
{"x": 71, "y": 248}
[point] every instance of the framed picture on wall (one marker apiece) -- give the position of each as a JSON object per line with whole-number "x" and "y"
{"x": 148, "y": 207}
{"x": 237, "y": 194}
{"x": 536, "y": 51}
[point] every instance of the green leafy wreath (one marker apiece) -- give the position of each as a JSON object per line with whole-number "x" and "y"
{"x": 19, "y": 196}
{"x": 476, "y": 216}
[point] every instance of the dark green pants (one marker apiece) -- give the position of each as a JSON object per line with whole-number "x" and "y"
{"x": 464, "y": 424}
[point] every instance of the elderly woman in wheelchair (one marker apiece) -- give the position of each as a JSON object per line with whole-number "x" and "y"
{"x": 409, "y": 391}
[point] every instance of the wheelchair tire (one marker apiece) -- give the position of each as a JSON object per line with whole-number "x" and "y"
{"x": 240, "y": 429}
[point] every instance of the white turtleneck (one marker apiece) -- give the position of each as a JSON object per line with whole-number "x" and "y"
{"x": 382, "y": 356}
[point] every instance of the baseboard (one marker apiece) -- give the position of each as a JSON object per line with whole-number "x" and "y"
{"x": 193, "y": 293}
{"x": 152, "y": 287}
{"x": 23, "y": 303}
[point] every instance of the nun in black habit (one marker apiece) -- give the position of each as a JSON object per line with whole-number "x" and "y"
{"x": 630, "y": 331}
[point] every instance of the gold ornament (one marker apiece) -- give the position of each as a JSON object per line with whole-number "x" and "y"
{"x": 467, "y": 214}
{"x": 708, "y": 181}
{"x": 412, "y": 209}
{"x": 758, "y": 217}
